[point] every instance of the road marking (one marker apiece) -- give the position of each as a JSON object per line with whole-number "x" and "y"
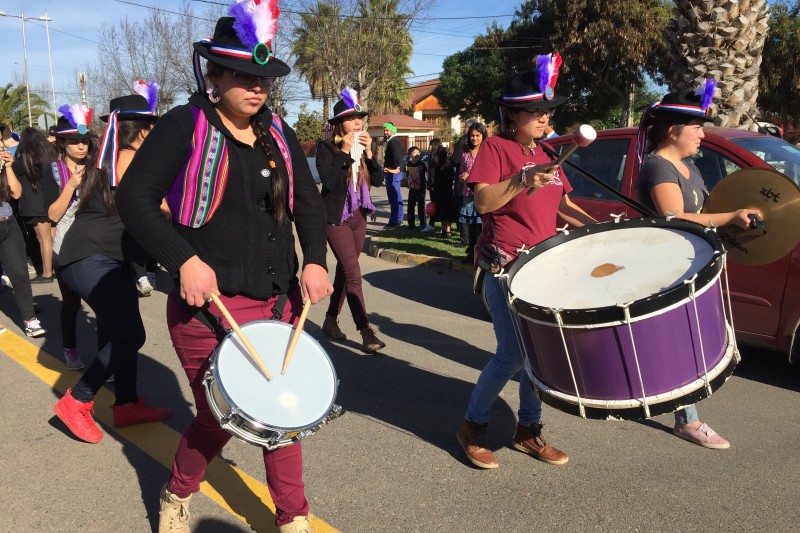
{"x": 232, "y": 489}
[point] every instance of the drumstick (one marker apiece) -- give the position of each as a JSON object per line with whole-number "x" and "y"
{"x": 295, "y": 336}
{"x": 583, "y": 136}
{"x": 235, "y": 327}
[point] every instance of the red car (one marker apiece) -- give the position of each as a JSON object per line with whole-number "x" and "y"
{"x": 766, "y": 299}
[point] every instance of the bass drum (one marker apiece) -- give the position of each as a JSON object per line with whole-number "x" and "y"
{"x": 624, "y": 319}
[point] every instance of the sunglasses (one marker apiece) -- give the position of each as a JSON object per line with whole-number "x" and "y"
{"x": 247, "y": 80}
{"x": 537, "y": 113}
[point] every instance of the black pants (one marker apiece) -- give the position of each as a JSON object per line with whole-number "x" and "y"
{"x": 416, "y": 198}
{"x": 70, "y": 307}
{"x": 108, "y": 287}
{"x": 15, "y": 265}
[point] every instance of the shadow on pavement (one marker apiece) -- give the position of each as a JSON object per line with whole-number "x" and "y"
{"x": 159, "y": 385}
{"x": 420, "y": 402}
{"x": 768, "y": 367}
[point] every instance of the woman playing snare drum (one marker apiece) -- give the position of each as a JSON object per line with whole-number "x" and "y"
{"x": 506, "y": 168}
{"x": 670, "y": 184}
{"x": 235, "y": 242}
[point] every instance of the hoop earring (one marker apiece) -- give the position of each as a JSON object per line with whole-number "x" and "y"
{"x": 213, "y": 95}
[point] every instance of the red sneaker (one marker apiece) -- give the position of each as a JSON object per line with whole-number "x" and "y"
{"x": 78, "y": 418}
{"x": 137, "y": 413}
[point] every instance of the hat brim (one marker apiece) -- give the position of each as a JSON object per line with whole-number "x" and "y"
{"x": 274, "y": 68}
{"x": 132, "y": 116}
{"x": 674, "y": 113}
{"x": 534, "y": 104}
{"x": 78, "y": 136}
{"x": 344, "y": 116}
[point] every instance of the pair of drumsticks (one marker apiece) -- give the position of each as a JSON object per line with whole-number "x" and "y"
{"x": 254, "y": 357}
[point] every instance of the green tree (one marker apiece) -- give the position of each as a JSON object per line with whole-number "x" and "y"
{"x": 14, "y": 106}
{"x": 365, "y": 44}
{"x": 310, "y": 125}
{"x": 780, "y": 66}
{"x": 709, "y": 40}
{"x": 597, "y": 76}
{"x": 613, "y": 43}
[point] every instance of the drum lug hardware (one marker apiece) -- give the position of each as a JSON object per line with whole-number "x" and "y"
{"x": 670, "y": 215}
{"x": 563, "y": 230}
{"x": 523, "y": 250}
{"x": 335, "y": 412}
{"x": 226, "y": 419}
{"x": 617, "y": 218}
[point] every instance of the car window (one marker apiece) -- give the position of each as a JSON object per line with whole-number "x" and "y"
{"x": 713, "y": 165}
{"x": 781, "y": 155}
{"x": 605, "y": 160}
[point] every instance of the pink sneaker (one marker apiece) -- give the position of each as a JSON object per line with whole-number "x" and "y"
{"x": 702, "y": 435}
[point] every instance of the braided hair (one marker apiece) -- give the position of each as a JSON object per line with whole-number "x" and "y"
{"x": 278, "y": 185}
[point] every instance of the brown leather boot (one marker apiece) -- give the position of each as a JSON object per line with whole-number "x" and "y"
{"x": 371, "y": 343}
{"x": 331, "y": 328}
{"x": 472, "y": 438}
{"x": 529, "y": 440}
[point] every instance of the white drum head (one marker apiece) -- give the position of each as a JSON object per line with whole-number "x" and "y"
{"x": 296, "y": 400}
{"x": 610, "y": 268}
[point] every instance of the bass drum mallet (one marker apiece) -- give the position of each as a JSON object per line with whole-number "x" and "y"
{"x": 583, "y": 137}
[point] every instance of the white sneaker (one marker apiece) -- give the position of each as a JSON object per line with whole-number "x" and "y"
{"x": 33, "y": 328}
{"x": 5, "y": 282}
{"x": 143, "y": 286}
{"x": 427, "y": 229}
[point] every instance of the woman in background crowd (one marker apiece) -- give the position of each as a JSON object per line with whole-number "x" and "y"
{"x": 346, "y": 193}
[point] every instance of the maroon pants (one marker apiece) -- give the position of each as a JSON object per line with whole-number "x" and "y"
{"x": 346, "y": 241}
{"x": 204, "y": 439}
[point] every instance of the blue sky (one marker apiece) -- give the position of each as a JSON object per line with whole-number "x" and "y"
{"x": 75, "y": 24}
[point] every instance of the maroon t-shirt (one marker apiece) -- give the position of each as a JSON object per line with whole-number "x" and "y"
{"x": 525, "y": 220}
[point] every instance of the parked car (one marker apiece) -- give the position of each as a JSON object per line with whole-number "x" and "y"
{"x": 765, "y": 299}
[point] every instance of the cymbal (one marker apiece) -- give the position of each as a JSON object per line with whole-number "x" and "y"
{"x": 778, "y": 199}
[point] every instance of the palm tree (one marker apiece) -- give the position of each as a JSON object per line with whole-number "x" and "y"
{"x": 14, "y": 106}
{"x": 314, "y": 36}
{"x": 722, "y": 39}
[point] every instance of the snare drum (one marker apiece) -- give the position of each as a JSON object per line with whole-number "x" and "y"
{"x": 624, "y": 319}
{"x": 272, "y": 413}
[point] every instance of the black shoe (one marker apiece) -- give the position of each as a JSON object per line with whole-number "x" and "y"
{"x": 43, "y": 279}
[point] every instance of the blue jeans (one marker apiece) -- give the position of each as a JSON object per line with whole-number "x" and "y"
{"x": 395, "y": 197}
{"x": 108, "y": 287}
{"x": 507, "y": 361}
{"x": 686, "y": 415}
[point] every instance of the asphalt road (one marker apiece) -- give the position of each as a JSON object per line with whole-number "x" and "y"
{"x": 392, "y": 463}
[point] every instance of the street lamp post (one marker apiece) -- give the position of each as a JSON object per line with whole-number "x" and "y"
{"x": 46, "y": 21}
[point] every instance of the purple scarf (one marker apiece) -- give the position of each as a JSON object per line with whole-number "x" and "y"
{"x": 357, "y": 199}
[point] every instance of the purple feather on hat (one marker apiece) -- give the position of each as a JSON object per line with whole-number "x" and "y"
{"x": 349, "y": 97}
{"x": 244, "y": 25}
{"x": 543, "y": 69}
{"x": 256, "y": 20}
{"x": 149, "y": 91}
{"x": 707, "y": 91}
{"x": 66, "y": 110}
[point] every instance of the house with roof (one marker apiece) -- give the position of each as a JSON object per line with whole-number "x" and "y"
{"x": 410, "y": 130}
{"x": 426, "y": 107}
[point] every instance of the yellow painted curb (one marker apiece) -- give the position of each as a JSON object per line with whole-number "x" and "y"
{"x": 232, "y": 489}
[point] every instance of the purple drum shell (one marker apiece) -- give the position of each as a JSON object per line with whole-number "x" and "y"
{"x": 668, "y": 348}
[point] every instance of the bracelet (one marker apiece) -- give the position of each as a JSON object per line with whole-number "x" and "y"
{"x": 523, "y": 178}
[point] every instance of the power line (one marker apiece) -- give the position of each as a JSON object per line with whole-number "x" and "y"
{"x": 399, "y": 15}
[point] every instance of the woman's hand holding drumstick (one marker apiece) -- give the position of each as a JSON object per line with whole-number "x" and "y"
{"x": 235, "y": 327}
{"x": 583, "y": 136}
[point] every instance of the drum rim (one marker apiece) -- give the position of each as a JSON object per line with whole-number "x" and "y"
{"x": 615, "y": 314}
{"x": 256, "y": 423}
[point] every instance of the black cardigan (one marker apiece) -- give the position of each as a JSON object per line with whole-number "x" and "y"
{"x": 334, "y": 170}
{"x": 249, "y": 252}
